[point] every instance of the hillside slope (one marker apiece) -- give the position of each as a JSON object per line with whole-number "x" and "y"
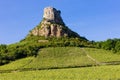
{"x": 63, "y": 57}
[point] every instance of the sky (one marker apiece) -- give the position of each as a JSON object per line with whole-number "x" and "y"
{"x": 96, "y": 20}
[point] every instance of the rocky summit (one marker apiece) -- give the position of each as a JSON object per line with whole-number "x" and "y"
{"x": 52, "y": 25}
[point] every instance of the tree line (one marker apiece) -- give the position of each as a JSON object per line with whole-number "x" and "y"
{"x": 109, "y": 44}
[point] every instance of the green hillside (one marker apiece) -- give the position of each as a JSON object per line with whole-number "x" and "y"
{"x": 31, "y": 45}
{"x": 60, "y": 57}
{"x": 63, "y": 57}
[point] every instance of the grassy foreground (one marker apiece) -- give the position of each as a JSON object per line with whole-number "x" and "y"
{"x": 88, "y": 73}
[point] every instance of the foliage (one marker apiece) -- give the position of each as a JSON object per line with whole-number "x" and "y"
{"x": 17, "y": 51}
{"x": 31, "y": 45}
{"x": 110, "y": 44}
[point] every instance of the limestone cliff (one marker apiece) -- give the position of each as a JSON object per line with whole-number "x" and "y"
{"x": 52, "y": 25}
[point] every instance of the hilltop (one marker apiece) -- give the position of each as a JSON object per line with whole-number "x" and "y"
{"x": 52, "y": 25}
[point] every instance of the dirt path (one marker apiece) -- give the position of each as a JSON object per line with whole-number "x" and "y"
{"x": 91, "y": 58}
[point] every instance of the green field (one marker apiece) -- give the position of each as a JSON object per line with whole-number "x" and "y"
{"x": 62, "y": 57}
{"x": 87, "y": 73}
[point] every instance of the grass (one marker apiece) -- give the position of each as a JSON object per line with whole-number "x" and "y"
{"x": 62, "y": 57}
{"x": 88, "y": 73}
{"x": 58, "y": 57}
{"x": 102, "y": 55}
{"x": 16, "y": 64}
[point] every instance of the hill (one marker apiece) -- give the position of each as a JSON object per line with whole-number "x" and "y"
{"x": 52, "y": 45}
{"x": 50, "y": 32}
{"x": 52, "y": 25}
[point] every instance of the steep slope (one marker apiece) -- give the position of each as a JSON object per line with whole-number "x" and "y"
{"x": 52, "y": 25}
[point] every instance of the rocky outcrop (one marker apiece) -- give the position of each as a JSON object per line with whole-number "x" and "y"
{"x": 52, "y": 25}
{"x": 52, "y": 15}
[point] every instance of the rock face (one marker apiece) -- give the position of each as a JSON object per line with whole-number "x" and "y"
{"x": 53, "y": 15}
{"x": 52, "y": 25}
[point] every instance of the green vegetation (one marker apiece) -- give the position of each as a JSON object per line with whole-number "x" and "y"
{"x": 55, "y": 59}
{"x": 18, "y": 64}
{"x": 88, "y": 73}
{"x": 110, "y": 44}
{"x": 102, "y": 55}
{"x": 63, "y": 57}
{"x": 31, "y": 45}
{"x": 63, "y": 54}
{"x": 17, "y": 51}
{"x": 58, "y": 57}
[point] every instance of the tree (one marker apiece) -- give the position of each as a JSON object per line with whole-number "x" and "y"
{"x": 108, "y": 45}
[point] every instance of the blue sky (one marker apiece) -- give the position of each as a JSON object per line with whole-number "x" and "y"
{"x": 94, "y": 19}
